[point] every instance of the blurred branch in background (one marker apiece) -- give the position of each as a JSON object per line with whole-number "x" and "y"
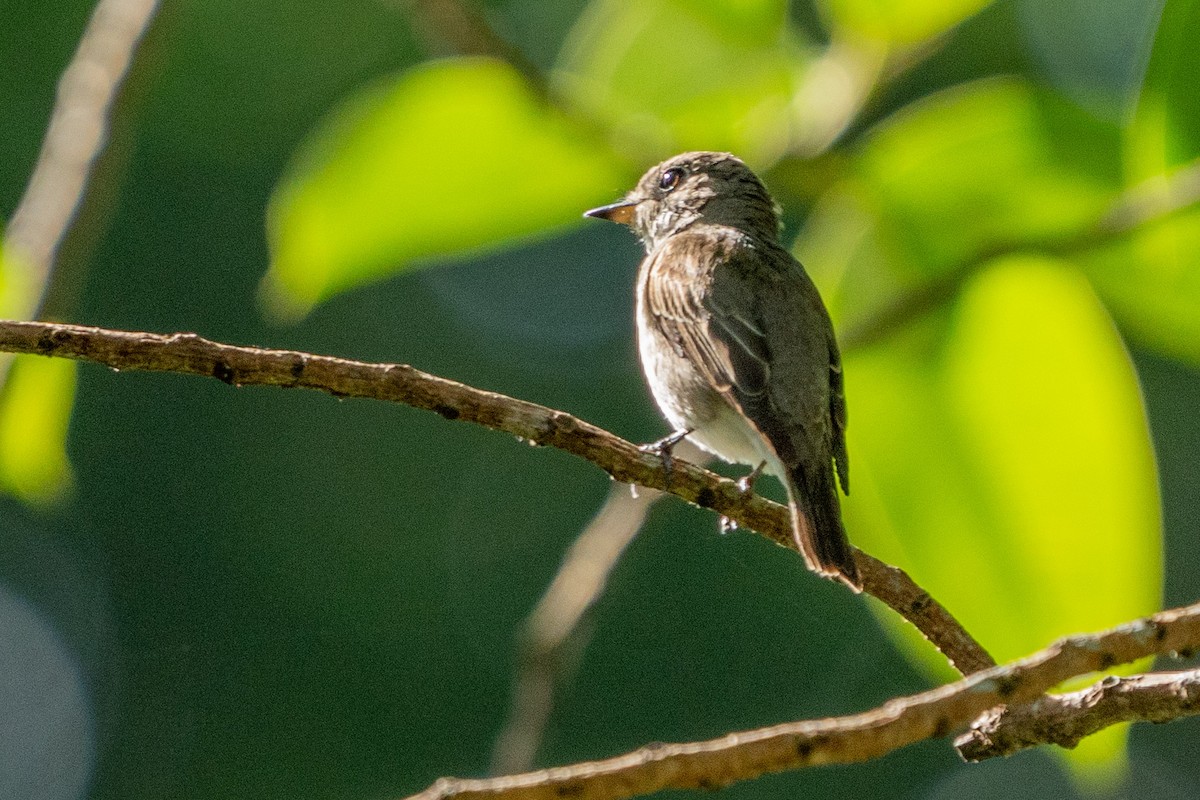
{"x": 36, "y": 398}
{"x": 553, "y": 632}
{"x": 187, "y": 353}
{"x": 1066, "y": 719}
{"x": 1155, "y": 200}
{"x": 898, "y": 723}
{"x": 834, "y": 92}
{"x": 842, "y": 85}
{"x": 77, "y": 134}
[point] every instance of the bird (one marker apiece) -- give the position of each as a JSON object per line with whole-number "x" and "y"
{"x": 735, "y": 341}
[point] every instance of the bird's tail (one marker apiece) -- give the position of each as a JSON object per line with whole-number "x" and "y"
{"x": 817, "y": 526}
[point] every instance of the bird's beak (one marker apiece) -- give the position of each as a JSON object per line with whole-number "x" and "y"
{"x": 621, "y": 212}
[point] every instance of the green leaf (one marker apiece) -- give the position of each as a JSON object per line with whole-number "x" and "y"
{"x": 1005, "y": 462}
{"x": 19, "y": 290}
{"x": 990, "y": 164}
{"x": 1152, "y": 284}
{"x": 900, "y": 21}
{"x": 669, "y": 75}
{"x": 1166, "y": 129}
{"x": 1152, "y": 280}
{"x": 449, "y": 158}
{"x": 36, "y": 397}
{"x": 35, "y": 409}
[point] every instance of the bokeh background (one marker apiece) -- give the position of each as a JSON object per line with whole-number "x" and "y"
{"x": 236, "y": 593}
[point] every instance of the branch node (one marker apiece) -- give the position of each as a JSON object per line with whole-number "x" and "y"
{"x": 223, "y": 372}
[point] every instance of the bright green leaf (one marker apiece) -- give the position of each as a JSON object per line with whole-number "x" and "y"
{"x": 18, "y": 290}
{"x": 990, "y": 164}
{"x": 1007, "y": 462}
{"x": 449, "y": 158}
{"x": 900, "y": 21}
{"x": 35, "y": 409}
{"x": 36, "y": 396}
{"x": 669, "y": 75}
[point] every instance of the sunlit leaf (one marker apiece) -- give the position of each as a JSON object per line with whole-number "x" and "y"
{"x": 448, "y": 158}
{"x": 35, "y": 409}
{"x": 900, "y": 21}
{"x": 1006, "y": 462}
{"x": 18, "y": 289}
{"x": 986, "y": 165}
{"x": 36, "y": 397}
{"x": 669, "y": 75}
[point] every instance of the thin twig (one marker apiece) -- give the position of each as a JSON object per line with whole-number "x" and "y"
{"x": 1153, "y": 201}
{"x": 187, "y": 353}
{"x": 76, "y": 135}
{"x": 1065, "y": 719}
{"x": 897, "y": 723}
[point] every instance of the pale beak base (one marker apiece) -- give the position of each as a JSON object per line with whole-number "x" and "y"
{"x": 621, "y": 212}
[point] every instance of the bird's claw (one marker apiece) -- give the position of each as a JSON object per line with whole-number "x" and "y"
{"x": 745, "y": 485}
{"x": 663, "y": 449}
{"x": 746, "y": 482}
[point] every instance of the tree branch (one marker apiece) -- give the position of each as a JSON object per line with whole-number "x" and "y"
{"x": 74, "y": 139}
{"x": 187, "y": 353}
{"x": 898, "y": 723}
{"x": 1065, "y": 719}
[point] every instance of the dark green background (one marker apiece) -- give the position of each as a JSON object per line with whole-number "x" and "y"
{"x": 273, "y": 594}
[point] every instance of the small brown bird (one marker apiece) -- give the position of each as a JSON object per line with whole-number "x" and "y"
{"x": 735, "y": 342}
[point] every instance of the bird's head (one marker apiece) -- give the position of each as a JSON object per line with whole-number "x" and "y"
{"x": 714, "y": 188}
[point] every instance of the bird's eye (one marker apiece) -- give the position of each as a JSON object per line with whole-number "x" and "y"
{"x": 670, "y": 179}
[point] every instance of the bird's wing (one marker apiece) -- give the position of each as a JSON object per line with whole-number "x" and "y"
{"x": 752, "y": 323}
{"x": 801, "y": 410}
{"x": 730, "y": 354}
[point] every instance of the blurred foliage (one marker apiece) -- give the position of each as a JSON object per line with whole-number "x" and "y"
{"x": 1151, "y": 281}
{"x": 933, "y": 189}
{"x": 988, "y": 242}
{"x": 899, "y": 21}
{"x": 36, "y": 397}
{"x": 414, "y": 179}
{"x": 733, "y": 71}
{"x": 34, "y": 411}
{"x": 1010, "y": 461}
{"x": 18, "y": 294}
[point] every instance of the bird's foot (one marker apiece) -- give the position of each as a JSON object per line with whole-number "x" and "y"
{"x": 663, "y": 448}
{"x": 745, "y": 485}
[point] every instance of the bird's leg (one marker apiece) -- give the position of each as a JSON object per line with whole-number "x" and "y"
{"x": 663, "y": 448}
{"x": 746, "y": 482}
{"x": 746, "y": 485}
